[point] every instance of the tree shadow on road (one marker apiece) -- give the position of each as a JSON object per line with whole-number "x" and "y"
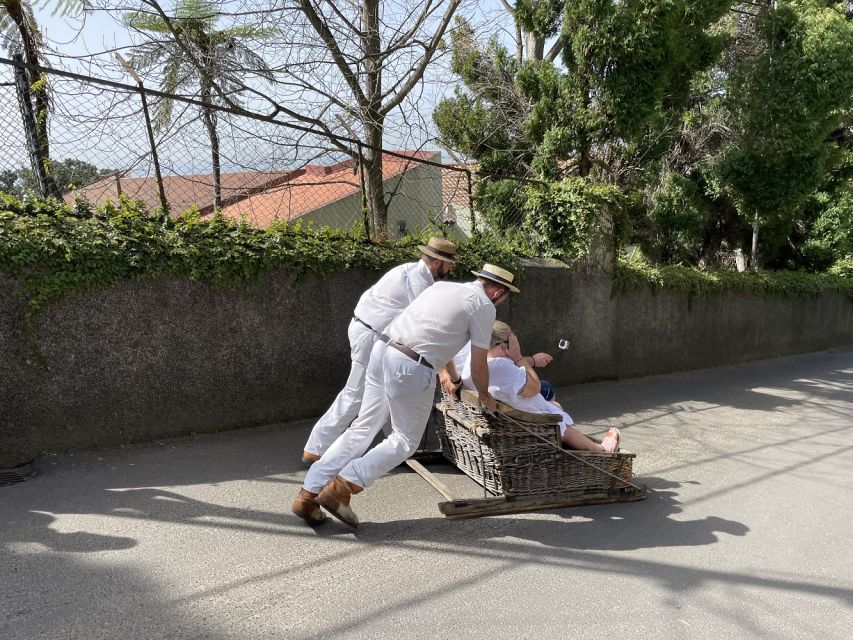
{"x": 626, "y": 526}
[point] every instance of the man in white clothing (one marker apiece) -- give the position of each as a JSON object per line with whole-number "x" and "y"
{"x": 400, "y": 383}
{"x": 376, "y": 308}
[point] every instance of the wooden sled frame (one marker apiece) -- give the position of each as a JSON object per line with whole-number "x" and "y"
{"x": 455, "y": 508}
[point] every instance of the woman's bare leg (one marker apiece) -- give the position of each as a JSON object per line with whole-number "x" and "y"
{"x": 574, "y": 439}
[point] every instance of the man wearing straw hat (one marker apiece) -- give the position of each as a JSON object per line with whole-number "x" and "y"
{"x": 376, "y": 308}
{"x": 400, "y": 383}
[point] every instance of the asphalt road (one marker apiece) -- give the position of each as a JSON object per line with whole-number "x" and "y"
{"x": 747, "y": 533}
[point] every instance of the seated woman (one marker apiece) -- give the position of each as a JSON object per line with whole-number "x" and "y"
{"x": 537, "y": 360}
{"x": 513, "y": 381}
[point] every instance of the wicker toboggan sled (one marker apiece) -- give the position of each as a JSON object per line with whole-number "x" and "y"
{"x": 516, "y": 456}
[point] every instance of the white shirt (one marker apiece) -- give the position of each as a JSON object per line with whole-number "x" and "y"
{"x": 506, "y": 381}
{"x": 443, "y": 318}
{"x": 462, "y": 360}
{"x": 392, "y": 293}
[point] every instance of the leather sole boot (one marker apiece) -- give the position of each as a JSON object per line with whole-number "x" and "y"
{"x": 309, "y": 458}
{"x": 306, "y": 507}
{"x": 335, "y": 497}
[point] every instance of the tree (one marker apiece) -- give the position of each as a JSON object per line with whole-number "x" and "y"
{"x": 340, "y": 71}
{"x": 197, "y": 54}
{"x": 536, "y": 21}
{"x": 352, "y": 35}
{"x": 784, "y": 103}
{"x": 628, "y": 68}
{"x": 605, "y": 115}
{"x": 21, "y": 33}
{"x": 68, "y": 174}
{"x": 822, "y": 231}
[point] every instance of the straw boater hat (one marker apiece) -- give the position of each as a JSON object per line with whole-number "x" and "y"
{"x": 496, "y": 274}
{"x": 440, "y": 249}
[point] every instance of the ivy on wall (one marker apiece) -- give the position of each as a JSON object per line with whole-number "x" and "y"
{"x": 635, "y": 276}
{"x": 53, "y": 249}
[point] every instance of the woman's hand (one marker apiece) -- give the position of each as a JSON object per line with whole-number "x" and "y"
{"x": 513, "y": 349}
{"x": 542, "y": 359}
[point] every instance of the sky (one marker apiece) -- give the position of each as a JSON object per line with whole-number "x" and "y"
{"x": 106, "y": 127}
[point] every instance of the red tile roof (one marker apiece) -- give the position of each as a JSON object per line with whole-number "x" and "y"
{"x": 315, "y": 187}
{"x": 182, "y": 192}
{"x": 265, "y": 196}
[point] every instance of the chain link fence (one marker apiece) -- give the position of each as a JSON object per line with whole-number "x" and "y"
{"x": 77, "y": 137}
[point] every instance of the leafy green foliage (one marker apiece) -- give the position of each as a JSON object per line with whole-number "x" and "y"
{"x": 482, "y": 248}
{"x": 604, "y": 115}
{"x": 702, "y": 116}
{"x": 636, "y": 276}
{"x": 784, "y": 103}
{"x": 55, "y": 250}
{"x": 485, "y": 123}
{"x": 564, "y": 218}
{"x": 630, "y": 60}
{"x": 676, "y": 219}
{"x": 500, "y": 202}
{"x": 539, "y": 17}
{"x": 221, "y": 55}
{"x": 823, "y": 230}
{"x": 843, "y": 267}
{"x": 68, "y": 175}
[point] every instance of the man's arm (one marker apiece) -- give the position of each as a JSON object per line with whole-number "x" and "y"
{"x": 480, "y": 378}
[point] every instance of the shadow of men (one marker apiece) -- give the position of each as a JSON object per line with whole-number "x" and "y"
{"x": 39, "y": 531}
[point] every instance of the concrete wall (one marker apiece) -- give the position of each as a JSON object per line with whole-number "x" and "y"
{"x": 144, "y": 360}
{"x": 642, "y": 333}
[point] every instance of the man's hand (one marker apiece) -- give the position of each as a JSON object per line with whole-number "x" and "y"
{"x": 487, "y": 402}
{"x": 447, "y": 382}
{"x": 541, "y": 359}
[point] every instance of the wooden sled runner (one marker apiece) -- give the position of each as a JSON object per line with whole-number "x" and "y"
{"x": 517, "y": 457}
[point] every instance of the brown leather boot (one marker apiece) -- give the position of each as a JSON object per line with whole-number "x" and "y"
{"x": 309, "y": 458}
{"x": 336, "y": 495}
{"x": 305, "y": 506}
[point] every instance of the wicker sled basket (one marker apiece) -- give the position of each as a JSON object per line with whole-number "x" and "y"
{"x": 515, "y": 453}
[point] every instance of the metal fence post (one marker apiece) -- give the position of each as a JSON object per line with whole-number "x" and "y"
{"x": 37, "y": 159}
{"x": 155, "y": 159}
{"x": 471, "y": 200}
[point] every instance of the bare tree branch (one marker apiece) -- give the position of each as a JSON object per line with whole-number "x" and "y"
{"x": 417, "y": 72}
{"x": 328, "y": 38}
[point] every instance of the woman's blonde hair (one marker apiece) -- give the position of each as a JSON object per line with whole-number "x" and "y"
{"x": 500, "y": 333}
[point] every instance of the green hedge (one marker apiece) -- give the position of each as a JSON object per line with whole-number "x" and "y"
{"x": 54, "y": 250}
{"x": 633, "y": 276}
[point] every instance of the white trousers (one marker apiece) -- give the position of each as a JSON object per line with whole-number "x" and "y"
{"x": 345, "y": 407}
{"x": 395, "y": 386}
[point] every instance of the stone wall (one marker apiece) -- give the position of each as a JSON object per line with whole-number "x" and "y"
{"x": 143, "y": 360}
